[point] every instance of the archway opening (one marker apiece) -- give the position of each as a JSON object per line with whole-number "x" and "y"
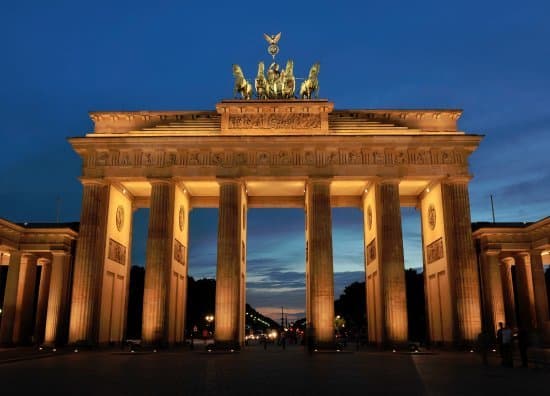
{"x": 275, "y": 275}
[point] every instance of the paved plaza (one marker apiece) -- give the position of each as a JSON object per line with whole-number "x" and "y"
{"x": 259, "y": 372}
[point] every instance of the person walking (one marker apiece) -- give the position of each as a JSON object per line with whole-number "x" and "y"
{"x": 499, "y": 339}
{"x": 507, "y": 352}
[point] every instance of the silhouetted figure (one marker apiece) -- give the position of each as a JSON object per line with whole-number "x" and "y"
{"x": 283, "y": 340}
{"x": 523, "y": 343}
{"x": 499, "y": 339}
{"x": 483, "y": 346}
{"x": 507, "y": 357}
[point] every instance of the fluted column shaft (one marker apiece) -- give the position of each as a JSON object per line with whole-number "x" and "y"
{"x": 10, "y": 299}
{"x": 58, "y": 299}
{"x": 42, "y": 305}
{"x": 158, "y": 264}
{"x": 392, "y": 267}
{"x": 89, "y": 262}
{"x": 228, "y": 272}
{"x": 539, "y": 286}
{"x": 22, "y": 326}
{"x": 508, "y": 290}
{"x": 524, "y": 287}
{"x": 461, "y": 259}
{"x": 492, "y": 287}
{"x": 321, "y": 274}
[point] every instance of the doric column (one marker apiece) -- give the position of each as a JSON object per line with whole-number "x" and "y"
{"x": 508, "y": 290}
{"x": 89, "y": 261}
{"x": 58, "y": 299}
{"x": 10, "y": 298}
{"x": 320, "y": 267}
{"x": 461, "y": 259}
{"x": 42, "y": 304}
{"x": 392, "y": 263}
{"x": 524, "y": 287}
{"x": 230, "y": 270}
{"x": 539, "y": 286}
{"x": 22, "y": 325}
{"x": 158, "y": 264}
{"x": 492, "y": 291}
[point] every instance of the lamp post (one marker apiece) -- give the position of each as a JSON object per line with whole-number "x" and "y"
{"x": 209, "y": 319}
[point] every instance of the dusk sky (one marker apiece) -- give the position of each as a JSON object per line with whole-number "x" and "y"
{"x": 62, "y": 59}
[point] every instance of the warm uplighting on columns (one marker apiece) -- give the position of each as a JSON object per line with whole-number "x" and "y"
{"x": 539, "y": 286}
{"x": 88, "y": 264}
{"x": 58, "y": 299}
{"x": 508, "y": 290}
{"x": 492, "y": 290}
{"x": 320, "y": 265}
{"x": 461, "y": 259}
{"x": 230, "y": 266}
{"x": 526, "y": 298}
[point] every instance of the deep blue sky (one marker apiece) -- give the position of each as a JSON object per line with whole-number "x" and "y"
{"x": 61, "y": 59}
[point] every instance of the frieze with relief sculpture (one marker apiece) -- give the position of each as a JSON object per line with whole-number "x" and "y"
{"x": 295, "y": 158}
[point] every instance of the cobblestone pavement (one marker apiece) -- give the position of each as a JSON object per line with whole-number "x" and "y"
{"x": 258, "y": 372}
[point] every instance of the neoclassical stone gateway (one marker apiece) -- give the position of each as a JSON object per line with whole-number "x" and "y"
{"x": 274, "y": 153}
{"x": 271, "y": 153}
{"x": 38, "y": 259}
{"x": 511, "y": 258}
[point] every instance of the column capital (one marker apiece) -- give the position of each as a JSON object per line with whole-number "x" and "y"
{"x": 323, "y": 180}
{"x": 492, "y": 252}
{"x": 43, "y": 261}
{"x": 28, "y": 256}
{"x": 57, "y": 253}
{"x": 457, "y": 179}
{"x": 93, "y": 181}
{"x": 522, "y": 255}
{"x": 229, "y": 180}
{"x": 161, "y": 180}
{"x": 535, "y": 252}
{"x": 508, "y": 260}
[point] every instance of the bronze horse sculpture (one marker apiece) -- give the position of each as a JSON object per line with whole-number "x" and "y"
{"x": 311, "y": 85}
{"x": 242, "y": 85}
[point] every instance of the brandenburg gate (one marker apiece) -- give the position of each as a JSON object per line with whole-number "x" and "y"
{"x": 274, "y": 151}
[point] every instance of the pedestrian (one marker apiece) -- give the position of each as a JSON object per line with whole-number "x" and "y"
{"x": 507, "y": 356}
{"x": 283, "y": 340}
{"x": 523, "y": 343}
{"x": 499, "y": 339}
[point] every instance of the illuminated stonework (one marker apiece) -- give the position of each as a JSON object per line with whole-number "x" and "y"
{"x": 280, "y": 156}
{"x": 296, "y": 153}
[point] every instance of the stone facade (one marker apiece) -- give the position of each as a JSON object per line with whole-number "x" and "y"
{"x": 276, "y": 153}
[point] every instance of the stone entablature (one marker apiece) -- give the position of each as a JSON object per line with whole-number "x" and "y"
{"x": 288, "y": 156}
{"x": 276, "y": 117}
{"x": 37, "y": 237}
{"x": 504, "y": 237}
